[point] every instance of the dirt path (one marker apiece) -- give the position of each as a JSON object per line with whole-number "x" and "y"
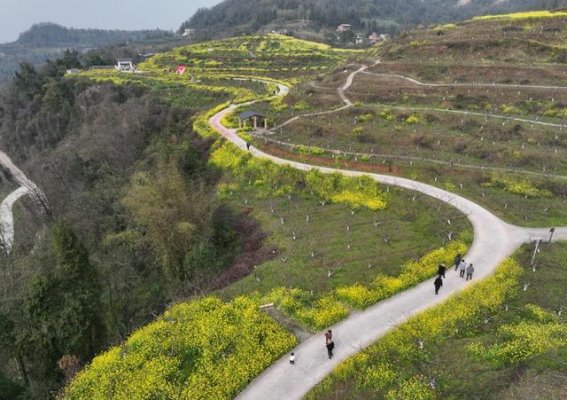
{"x": 471, "y": 84}
{"x": 494, "y": 241}
{"x": 444, "y": 110}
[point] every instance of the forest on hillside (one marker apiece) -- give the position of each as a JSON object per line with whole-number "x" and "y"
{"x": 132, "y": 222}
{"x": 49, "y": 41}
{"x": 54, "y": 35}
{"x": 367, "y": 15}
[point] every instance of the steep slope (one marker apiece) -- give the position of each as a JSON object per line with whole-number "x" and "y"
{"x": 240, "y": 16}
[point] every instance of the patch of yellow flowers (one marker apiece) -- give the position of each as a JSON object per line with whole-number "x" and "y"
{"x": 542, "y": 331}
{"x": 413, "y": 272}
{"x": 356, "y": 192}
{"x": 204, "y": 349}
{"x": 524, "y": 15}
{"x": 317, "y": 313}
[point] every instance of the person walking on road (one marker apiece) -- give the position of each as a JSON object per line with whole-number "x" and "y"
{"x": 441, "y": 270}
{"x": 462, "y": 268}
{"x": 457, "y": 260}
{"x": 248, "y": 146}
{"x": 438, "y": 283}
{"x": 470, "y": 270}
{"x": 328, "y": 336}
{"x": 292, "y": 358}
{"x": 330, "y": 346}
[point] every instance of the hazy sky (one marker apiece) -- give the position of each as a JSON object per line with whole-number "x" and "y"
{"x": 17, "y": 16}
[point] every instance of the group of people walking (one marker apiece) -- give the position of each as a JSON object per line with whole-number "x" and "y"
{"x": 460, "y": 265}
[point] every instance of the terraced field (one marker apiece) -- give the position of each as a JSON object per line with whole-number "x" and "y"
{"x": 339, "y": 243}
{"x": 494, "y": 129}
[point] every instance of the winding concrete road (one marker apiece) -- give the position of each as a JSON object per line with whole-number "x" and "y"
{"x": 6, "y": 215}
{"x": 495, "y": 240}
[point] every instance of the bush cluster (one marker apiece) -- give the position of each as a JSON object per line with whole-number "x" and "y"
{"x": 516, "y": 186}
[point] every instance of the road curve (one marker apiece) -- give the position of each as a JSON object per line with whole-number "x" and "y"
{"x": 495, "y": 240}
{"x": 6, "y": 215}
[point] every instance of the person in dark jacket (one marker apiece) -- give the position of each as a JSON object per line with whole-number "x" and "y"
{"x": 438, "y": 283}
{"x": 457, "y": 261}
{"x": 328, "y": 336}
{"x": 470, "y": 270}
{"x": 330, "y": 346}
{"x": 441, "y": 270}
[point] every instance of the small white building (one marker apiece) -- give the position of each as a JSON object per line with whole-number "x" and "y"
{"x": 343, "y": 28}
{"x": 188, "y": 32}
{"x": 125, "y": 65}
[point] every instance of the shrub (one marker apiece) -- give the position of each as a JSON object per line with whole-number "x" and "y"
{"x": 510, "y": 109}
{"x": 521, "y": 187}
{"x": 301, "y": 105}
{"x": 413, "y": 119}
{"x": 415, "y": 388}
{"x": 357, "y": 131}
{"x": 310, "y": 150}
{"x": 386, "y": 115}
{"x": 377, "y": 377}
{"x": 366, "y": 117}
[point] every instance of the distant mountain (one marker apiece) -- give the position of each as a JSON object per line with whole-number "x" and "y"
{"x": 247, "y": 16}
{"x": 54, "y": 35}
{"x": 49, "y": 41}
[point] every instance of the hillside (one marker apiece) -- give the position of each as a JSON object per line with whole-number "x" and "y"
{"x": 478, "y": 106}
{"x": 49, "y": 41}
{"x": 170, "y": 262}
{"x": 319, "y": 18}
{"x": 152, "y": 213}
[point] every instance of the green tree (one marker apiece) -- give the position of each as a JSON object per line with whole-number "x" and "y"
{"x": 61, "y": 312}
{"x": 172, "y": 212}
